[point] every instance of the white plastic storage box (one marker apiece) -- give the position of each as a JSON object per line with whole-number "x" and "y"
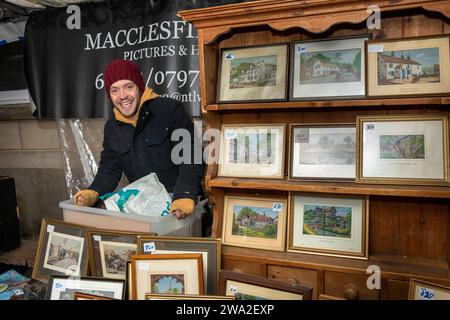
{"x": 105, "y": 219}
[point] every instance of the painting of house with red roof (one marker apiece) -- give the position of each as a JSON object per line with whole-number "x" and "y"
{"x": 255, "y": 222}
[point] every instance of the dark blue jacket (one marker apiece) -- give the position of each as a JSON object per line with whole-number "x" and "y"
{"x": 147, "y": 148}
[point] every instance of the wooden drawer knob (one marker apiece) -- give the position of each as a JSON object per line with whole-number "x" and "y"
{"x": 351, "y": 292}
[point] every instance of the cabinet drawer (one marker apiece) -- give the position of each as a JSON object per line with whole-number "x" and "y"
{"x": 294, "y": 276}
{"x": 247, "y": 267}
{"x": 349, "y": 286}
{"x": 397, "y": 290}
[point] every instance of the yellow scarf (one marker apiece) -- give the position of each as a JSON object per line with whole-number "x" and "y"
{"x": 149, "y": 94}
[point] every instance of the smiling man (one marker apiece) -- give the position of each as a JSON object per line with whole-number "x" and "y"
{"x": 137, "y": 141}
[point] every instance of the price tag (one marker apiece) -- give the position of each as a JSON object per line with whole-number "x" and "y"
{"x": 375, "y": 48}
{"x": 427, "y": 294}
{"x": 229, "y": 56}
{"x": 18, "y": 292}
{"x": 144, "y": 267}
{"x": 97, "y": 238}
{"x": 230, "y": 134}
{"x": 301, "y": 49}
{"x": 277, "y": 207}
{"x": 233, "y": 290}
{"x": 149, "y": 247}
{"x": 50, "y": 228}
{"x": 59, "y": 285}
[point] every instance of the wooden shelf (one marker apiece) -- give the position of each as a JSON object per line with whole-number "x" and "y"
{"x": 394, "y": 266}
{"x": 356, "y": 104}
{"x": 332, "y": 187}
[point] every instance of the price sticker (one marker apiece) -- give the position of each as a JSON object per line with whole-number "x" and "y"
{"x": 301, "y": 49}
{"x": 144, "y": 267}
{"x": 375, "y": 48}
{"x": 230, "y": 134}
{"x": 149, "y": 247}
{"x": 233, "y": 290}
{"x": 59, "y": 285}
{"x": 229, "y": 56}
{"x": 97, "y": 238}
{"x": 277, "y": 207}
{"x": 50, "y": 228}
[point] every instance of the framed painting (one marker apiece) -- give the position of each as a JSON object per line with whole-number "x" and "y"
{"x": 423, "y": 290}
{"x": 252, "y": 151}
{"x": 328, "y": 69}
{"x": 153, "y": 296}
{"x": 65, "y": 287}
{"x": 166, "y": 274}
{"x": 109, "y": 250}
{"x": 408, "y": 67}
{"x": 62, "y": 250}
{"x": 329, "y": 225}
{"x": 322, "y": 152}
{"x": 250, "y": 287}
{"x": 405, "y": 149}
{"x": 255, "y": 222}
{"x": 86, "y": 296}
{"x": 209, "y": 248}
{"x": 257, "y": 73}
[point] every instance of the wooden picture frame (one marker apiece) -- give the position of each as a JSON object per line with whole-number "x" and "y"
{"x": 65, "y": 287}
{"x": 254, "y": 73}
{"x": 62, "y": 250}
{"x": 391, "y": 74}
{"x": 175, "y": 273}
{"x": 152, "y": 296}
{"x": 424, "y": 290}
{"x": 109, "y": 250}
{"x": 252, "y": 287}
{"x": 85, "y": 296}
{"x": 252, "y": 151}
{"x": 210, "y": 248}
{"x": 319, "y": 224}
{"x": 255, "y": 222}
{"x": 324, "y": 152}
{"x": 406, "y": 149}
{"x": 328, "y": 69}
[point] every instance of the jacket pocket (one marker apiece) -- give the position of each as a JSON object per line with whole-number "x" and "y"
{"x": 158, "y": 143}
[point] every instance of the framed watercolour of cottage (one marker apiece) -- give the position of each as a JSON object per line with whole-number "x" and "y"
{"x": 166, "y": 274}
{"x": 62, "y": 250}
{"x": 255, "y": 222}
{"x": 251, "y": 287}
{"x": 323, "y": 152}
{"x": 328, "y": 69}
{"x": 423, "y": 290}
{"x": 65, "y": 287}
{"x": 328, "y": 225}
{"x": 253, "y": 74}
{"x": 408, "y": 67}
{"x": 403, "y": 149}
{"x": 209, "y": 248}
{"x": 252, "y": 151}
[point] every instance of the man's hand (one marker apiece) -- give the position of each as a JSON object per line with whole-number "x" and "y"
{"x": 86, "y": 198}
{"x": 182, "y": 208}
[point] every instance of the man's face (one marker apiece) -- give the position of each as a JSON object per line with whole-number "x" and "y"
{"x": 125, "y": 97}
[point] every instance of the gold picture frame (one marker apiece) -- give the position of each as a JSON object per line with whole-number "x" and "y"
{"x": 174, "y": 273}
{"x": 329, "y": 225}
{"x": 252, "y": 151}
{"x": 255, "y": 222}
{"x": 402, "y": 149}
{"x": 408, "y": 67}
{"x": 424, "y": 290}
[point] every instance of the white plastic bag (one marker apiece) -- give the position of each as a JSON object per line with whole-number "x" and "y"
{"x": 146, "y": 196}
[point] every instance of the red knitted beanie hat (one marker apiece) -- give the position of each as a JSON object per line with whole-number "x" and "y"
{"x": 123, "y": 70}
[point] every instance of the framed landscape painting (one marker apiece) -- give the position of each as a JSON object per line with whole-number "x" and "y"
{"x": 322, "y": 152}
{"x": 255, "y": 222}
{"x": 62, "y": 250}
{"x": 404, "y": 149}
{"x": 329, "y": 225}
{"x": 252, "y": 151}
{"x": 328, "y": 69}
{"x": 253, "y": 74}
{"x": 408, "y": 67}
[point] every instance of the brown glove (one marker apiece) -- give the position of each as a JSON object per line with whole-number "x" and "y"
{"x": 182, "y": 208}
{"x": 86, "y": 198}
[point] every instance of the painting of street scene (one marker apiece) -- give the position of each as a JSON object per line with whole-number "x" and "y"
{"x": 408, "y": 66}
{"x": 253, "y": 72}
{"x": 114, "y": 257}
{"x": 63, "y": 252}
{"x": 167, "y": 283}
{"x": 331, "y": 221}
{"x": 255, "y": 222}
{"x": 402, "y": 147}
{"x": 69, "y": 294}
{"x": 335, "y": 66}
{"x": 252, "y": 148}
{"x": 328, "y": 149}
